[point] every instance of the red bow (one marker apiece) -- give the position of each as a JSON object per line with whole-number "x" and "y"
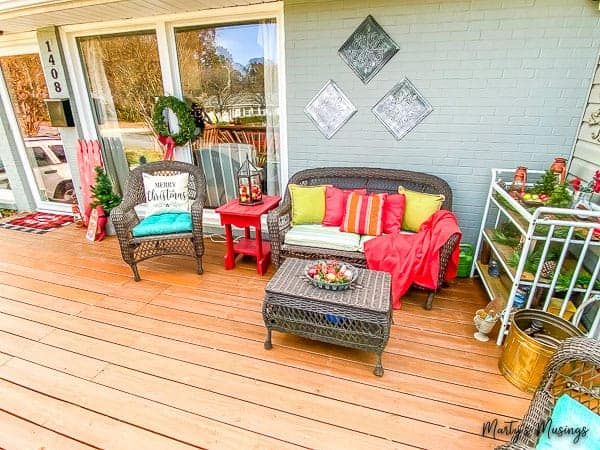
{"x": 575, "y": 183}
{"x": 169, "y": 144}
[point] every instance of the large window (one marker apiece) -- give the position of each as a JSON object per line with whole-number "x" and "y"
{"x": 230, "y": 73}
{"x": 124, "y": 78}
{"x": 43, "y": 146}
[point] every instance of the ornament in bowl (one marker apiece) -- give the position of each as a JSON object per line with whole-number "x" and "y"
{"x": 484, "y": 321}
{"x": 331, "y": 274}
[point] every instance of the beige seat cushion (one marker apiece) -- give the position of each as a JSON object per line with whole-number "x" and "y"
{"x": 322, "y": 237}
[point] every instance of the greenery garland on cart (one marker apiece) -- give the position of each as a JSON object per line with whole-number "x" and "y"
{"x": 187, "y": 126}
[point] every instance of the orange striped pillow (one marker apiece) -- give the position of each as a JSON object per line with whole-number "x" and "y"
{"x": 364, "y": 214}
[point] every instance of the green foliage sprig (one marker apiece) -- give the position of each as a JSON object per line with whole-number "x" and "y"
{"x": 534, "y": 259}
{"x": 560, "y": 196}
{"x": 544, "y": 185}
{"x": 187, "y": 126}
{"x": 103, "y": 192}
{"x": 504, "y": 203}
{"x": 583, "y": 280}
{"x": 504, "y": 239}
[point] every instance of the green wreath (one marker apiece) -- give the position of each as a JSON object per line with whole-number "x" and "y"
{"x": 187, "y": 126}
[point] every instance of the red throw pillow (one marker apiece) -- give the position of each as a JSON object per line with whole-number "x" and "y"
{"x": 335, "y": 204}
{"x": 364, "y": 214}
{"x": 393, "y": 211}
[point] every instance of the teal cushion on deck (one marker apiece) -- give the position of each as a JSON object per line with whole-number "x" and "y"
{"x": 322, "y": 237}
{"x": 572, "y": 426}
{"x": 166, "y": 223}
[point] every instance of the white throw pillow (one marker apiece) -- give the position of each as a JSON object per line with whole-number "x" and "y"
{"x": 166, "y": 194}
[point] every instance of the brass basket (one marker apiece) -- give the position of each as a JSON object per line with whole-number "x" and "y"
{"x": 524, "y": 358}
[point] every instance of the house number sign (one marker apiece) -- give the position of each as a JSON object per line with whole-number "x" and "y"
{"x": 52, "y": 62}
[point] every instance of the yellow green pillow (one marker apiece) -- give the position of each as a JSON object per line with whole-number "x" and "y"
{"x": 419, "y": 207}
{"x": 308, "y": 204}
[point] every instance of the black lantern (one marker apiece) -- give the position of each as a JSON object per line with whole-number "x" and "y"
{"x": 249, "y": 184}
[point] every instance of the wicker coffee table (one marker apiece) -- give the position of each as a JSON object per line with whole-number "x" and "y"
{"x": 359, "y": 317}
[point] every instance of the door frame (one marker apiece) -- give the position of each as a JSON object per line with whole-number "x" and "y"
{"x": 24, "y": 44}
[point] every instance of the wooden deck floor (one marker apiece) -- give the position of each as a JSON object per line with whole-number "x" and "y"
{"x": 90, "y": 358}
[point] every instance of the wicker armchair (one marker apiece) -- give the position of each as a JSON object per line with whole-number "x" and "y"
{"x": 574, "y": 370}
{"x": 372, "y": 179}
{"x": 124, "y": 217}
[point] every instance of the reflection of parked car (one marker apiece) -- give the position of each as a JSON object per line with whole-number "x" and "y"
{"x": 4, "y": 184}
{"x": 49, "y": 164}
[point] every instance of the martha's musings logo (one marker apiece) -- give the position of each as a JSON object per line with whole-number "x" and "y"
{"x": 496, "y": 429}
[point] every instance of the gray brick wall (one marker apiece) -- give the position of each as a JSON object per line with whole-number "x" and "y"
{"x": 507, "y": 79}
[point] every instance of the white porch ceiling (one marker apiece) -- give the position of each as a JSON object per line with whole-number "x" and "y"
{"x": 18, "y": 16}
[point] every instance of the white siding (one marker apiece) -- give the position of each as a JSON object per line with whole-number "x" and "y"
{"x": 586, "y": 154}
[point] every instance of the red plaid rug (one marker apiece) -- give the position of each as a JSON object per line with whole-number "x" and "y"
{"x": 38, "y": 222}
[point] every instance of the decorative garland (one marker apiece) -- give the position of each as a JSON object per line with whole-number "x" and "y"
{"x": 187, "y": 126}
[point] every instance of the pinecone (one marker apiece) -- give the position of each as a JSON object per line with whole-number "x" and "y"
{"x": 548, "y": 269}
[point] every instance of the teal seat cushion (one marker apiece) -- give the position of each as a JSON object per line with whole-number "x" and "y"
{"x": 167, "y": 223}
{"x": 572, "y": 426}
{"x": 322, "y": 237}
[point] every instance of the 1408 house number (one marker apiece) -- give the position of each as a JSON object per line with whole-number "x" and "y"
{"x": 53, "y": 71}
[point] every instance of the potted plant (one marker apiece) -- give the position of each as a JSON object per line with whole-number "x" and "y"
{"x": 104, "y": 197}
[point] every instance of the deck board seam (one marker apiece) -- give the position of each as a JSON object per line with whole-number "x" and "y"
{"x": 385, "y": 388}
{"x": 181, "y": 409}
{"x": 92, "y": 305}
{"x": 90, "y": 409}
{"x": 223, "y": 334}
{"x": 87, "y": 444}
{"x": 108, "y": 363}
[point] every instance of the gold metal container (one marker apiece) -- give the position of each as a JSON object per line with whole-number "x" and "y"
{"x": 524, "y": 358}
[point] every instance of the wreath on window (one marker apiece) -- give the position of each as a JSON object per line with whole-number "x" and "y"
{"x": 187, "y": 126}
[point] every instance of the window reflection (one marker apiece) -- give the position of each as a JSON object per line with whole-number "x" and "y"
{"x": 230, "y": 74}
{"x": 124, "y": 78}
{"x": 4, "y": 183}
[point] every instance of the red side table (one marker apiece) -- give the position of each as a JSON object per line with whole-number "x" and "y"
{"x": 232, "y": 213}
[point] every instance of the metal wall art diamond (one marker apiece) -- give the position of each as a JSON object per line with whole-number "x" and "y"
{"x": 402, "y": 108}
{"x": 330, "y": 109}
{"x": 368, "y": 49}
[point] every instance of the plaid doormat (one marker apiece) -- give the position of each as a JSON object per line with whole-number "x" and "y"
{"x": 38, "y": 223}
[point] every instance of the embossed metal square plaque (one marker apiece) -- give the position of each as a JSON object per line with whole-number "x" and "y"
{"x": 402, "y": 108}
{"x": 368, "y": 49}
{"x": 330, "y": 109}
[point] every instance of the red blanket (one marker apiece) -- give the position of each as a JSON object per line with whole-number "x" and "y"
{"x": 414, "y": 258}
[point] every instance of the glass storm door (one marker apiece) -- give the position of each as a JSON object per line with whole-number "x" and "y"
{"x": 44, "y": 153}
{"x": 6, "y": 196}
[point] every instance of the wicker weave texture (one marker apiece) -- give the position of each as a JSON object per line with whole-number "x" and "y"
{"x": 124, "y": 217}
{"x": 372, "y": 179}
{"x": 574, "y": 370}
{"x": 358, "y": 318}
{"x": 372, "y": 293}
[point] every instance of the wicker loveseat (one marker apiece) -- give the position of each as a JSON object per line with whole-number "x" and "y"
{"x": 373, "y": 180}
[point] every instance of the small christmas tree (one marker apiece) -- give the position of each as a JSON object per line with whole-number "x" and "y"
{"x": 103, "y": 192}
{"x": 545, "y": 185}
